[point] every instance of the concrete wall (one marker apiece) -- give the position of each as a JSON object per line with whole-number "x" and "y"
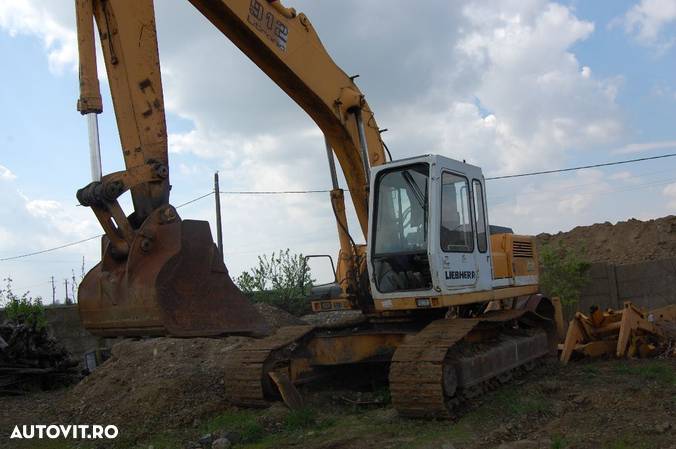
{"x": 648, "y": 284}
{"x": 64, "y": 324}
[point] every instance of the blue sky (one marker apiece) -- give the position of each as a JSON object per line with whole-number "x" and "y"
{"x": 512, "y": 86}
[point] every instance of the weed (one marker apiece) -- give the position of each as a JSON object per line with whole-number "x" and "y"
{"x": 558, "y": 442}
{"x": 591, "y": 370}
{"x": 649, "y": 370}
{"x": 243, "y": 422}
{"x": 515, "y": 403}
{"x": 625, "y": 444}
{"x": 300, "y": 419}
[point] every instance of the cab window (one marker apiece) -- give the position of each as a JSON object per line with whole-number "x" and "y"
{"x": 400, "y": 260}
{"x": 481, "y": 238}
{"x": 456, "y": 215}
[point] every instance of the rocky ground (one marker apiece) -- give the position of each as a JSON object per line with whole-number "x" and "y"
{"x": 585, "y": 405}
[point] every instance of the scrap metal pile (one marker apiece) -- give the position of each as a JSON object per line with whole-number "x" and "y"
{"x": 628, "y": 332}
{"x": 30, "y": 359}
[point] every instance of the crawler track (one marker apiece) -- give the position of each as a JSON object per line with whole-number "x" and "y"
{"x": 246, "y": 370}
{"x": 426, "y": 373}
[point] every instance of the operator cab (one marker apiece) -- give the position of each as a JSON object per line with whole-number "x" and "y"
{"x": 428, "y": 229}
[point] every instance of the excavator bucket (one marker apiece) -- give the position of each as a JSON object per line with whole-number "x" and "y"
{"x": 173, "y": 282}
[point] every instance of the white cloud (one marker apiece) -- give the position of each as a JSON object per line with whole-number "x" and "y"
{"x": 52, "y": 22}
{"x": 531, "y": 103}
{"x": 6, "y": 174}
{"x": 497, "y": 84}
{"x": 670, "y": 193}
{"x": 32, "y": 224}
{"x": 646, "y": 146}
{"x": 625, "y": 176}
{"x": 647, "y": 22}
{"x": 553, "y": 203}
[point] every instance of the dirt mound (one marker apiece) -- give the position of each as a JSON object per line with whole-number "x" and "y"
{"x": 165, "y": 382}
{"x": 626, "y": 242}
{"x": 152, "y": 384}
{"x": 277, "y": 317}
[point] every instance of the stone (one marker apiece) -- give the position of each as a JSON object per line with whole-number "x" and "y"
{"x": 663, "y": 427}
{"x": 580, "y": 400}
{"x": 221, "y": 443}
{"x": 232, "y": 436}
{"x": 206, "y": 440}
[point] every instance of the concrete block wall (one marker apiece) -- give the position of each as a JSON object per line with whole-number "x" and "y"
{"x": 649, "y": 285}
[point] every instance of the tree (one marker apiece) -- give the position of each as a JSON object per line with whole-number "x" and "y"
{"x": 22, "y": 309}
{"x": 565, "y": 273}
{"x": 281, "y": 279}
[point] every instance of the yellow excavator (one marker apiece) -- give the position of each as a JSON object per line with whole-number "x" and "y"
{"x": 449, "y": 303}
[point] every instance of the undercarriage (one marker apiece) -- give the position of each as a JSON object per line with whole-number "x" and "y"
{"x": 436, "y": 367}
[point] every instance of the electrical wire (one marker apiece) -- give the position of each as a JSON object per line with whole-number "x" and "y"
{"x": 582, "y": 167}
{"x": 35, "y": 253}
{"x": 271, "y": 192}
{"x": 295, "y": 192}
{"x": 195, "y": 200}
{"x": 67, "y": 245}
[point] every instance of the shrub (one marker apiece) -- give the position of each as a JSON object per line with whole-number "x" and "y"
{"x": 565, "y": 273}
{"x": 281, "y": 279}
{"x": 22, "y": 309}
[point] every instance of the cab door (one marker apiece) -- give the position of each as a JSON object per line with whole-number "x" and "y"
{"x": 457, "y": 262}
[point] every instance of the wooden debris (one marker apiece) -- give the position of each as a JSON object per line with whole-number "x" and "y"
{"x": 30, "y": 359}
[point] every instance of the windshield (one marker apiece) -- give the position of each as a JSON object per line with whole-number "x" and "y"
{"x": 401, "y": 208}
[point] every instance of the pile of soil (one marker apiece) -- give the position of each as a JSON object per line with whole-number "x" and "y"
{"x": 166, "y": 382}
{"x": 627, "y": 242}
{"x": 277, "y": 317}
{"x": 147, "y": 384}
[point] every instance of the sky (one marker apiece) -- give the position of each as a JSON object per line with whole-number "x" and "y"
{"x": 510, "y": 85}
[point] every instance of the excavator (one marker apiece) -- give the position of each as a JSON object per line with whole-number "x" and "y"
{"x": 451, "y": 305}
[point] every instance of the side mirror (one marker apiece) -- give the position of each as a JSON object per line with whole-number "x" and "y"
{"x": 325, "y": 272}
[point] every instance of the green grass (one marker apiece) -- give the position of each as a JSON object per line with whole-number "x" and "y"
{"x": 513, "y": 402}
{"x": 244, "y": 422}
{"x": 558, "y": 442}
{"x": 627, "y": 444}
{"x": 300, "y": 419}
{"x": 651, "y": 370}
{"x": 590, "y": 370}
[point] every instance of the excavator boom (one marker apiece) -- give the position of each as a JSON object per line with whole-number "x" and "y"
{"x": 159, "y": 274}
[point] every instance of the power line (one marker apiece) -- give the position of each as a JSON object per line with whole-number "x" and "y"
{"x": 194, "y": 200}
{"x": 271, "y": 192}
{"x": 582, "y": 167}
{"x": 35, "y": 253}
{"x": 297, "y": 192}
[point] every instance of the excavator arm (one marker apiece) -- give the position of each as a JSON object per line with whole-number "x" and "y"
{"x": 160, "y": 274}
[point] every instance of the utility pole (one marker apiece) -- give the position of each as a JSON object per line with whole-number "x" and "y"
{"x": 53, "y": 291}
{"x": 219, "y": 225}
{"x": 73, "y": 286}
{"x": 67, "y": 300}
